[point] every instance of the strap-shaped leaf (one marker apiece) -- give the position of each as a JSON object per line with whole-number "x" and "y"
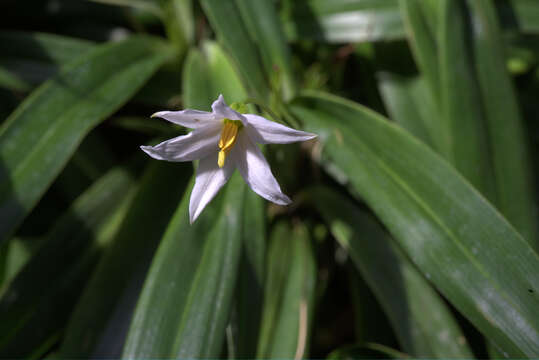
{"x": 344, "y": 21}
{"x": 410, "y": 103}
{"x": 265, "y": 29}
{"x": 249, "y": 295}
{"x": 37, "y": 140}
{"x": 288, "y": 311}
{"x": 207, "y": 74}
{"x": 420, "y": 19}
{"x": 231, "y": 30}
{"x": 340, "y": 21}
{"x": 512, "y": 173}
{"x": 456, "y": 238}
{"x": 32, "y": 57}
{"x": 36, "y": 305}
{"x": 479, "y": 124}
{"x": 422, "y": 321}
{"x": 187, "y": 297}
{"x": 104, "y": 310}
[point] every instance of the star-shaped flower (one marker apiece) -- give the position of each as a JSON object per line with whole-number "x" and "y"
{"x": 224, "y": 140}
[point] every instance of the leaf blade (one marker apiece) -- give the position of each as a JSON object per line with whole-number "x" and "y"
{"x": 418, "y": 197}
{"x": 38, "y": 138}
{"x": 406, "y": 296}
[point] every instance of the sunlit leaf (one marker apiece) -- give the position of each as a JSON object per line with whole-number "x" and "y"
{"x": 111, "y": 293}
{"x": 187, "y": 297}
{"x": 288, "y": 311}
{"x": 450, "y": 232}
{"x": 38, "y": 138}
{"x": 424, "y": 325}
{"x": 36, "y": 304}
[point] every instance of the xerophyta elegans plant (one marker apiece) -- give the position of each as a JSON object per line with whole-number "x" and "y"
{"x": 413, "y": 231}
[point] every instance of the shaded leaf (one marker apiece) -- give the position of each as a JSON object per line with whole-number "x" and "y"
{"x": 30, "y": 58}
{"x": 207, "y": 74}
{"x": 231, "y": 30}
{"x": 36, "y": 304}
{"x": 449, "y": 231}
{"x": 410, "y": 104}
{"x": 287, "y": 314}
{"x": 104, "y": 310}
{"x": 424, "y": 325}
{"x": 264, "y": 27}
{"x": 187, "y": 297}
{"x": 38, "y": 138}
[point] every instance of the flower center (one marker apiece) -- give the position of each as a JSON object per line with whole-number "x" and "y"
{"x": 228, "y": 138}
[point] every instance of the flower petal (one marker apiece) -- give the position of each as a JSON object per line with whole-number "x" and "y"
{"x": 264, "y": 131}
{"x": 198, "y": 144}
{"x": 192, "y": 119}
{"x": 209, "y": 179}
{"x": 222, "y": 111}
{"x": 256, "y": 172}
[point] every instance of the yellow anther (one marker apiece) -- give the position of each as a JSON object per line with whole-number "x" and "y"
{"x": 227, "y": 140}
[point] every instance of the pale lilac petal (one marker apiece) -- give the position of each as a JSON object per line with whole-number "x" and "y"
{"x": 256, "y": 172}
{"x": 209, "y": 179}
{"x": 222, "y": 111}
{"x": 196, "y": 145}
{"x": 264, "y": 131}
{"x": 192, "y": 119}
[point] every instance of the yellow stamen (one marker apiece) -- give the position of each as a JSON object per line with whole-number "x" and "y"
{"x": 228, "y": 139}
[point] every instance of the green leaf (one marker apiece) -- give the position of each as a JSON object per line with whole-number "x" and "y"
{"x": 30, "y": 58}
{"x": 264, "y": 27}
{"x": 36, "y": 304}
{"x": 179, "y": 22}
{"x": 480, "y": 127}
{"x": 187, "y": 297}
{"x": 225, "y": 19}
{"x": 519, "y": 15}
{"x": 342, "y": 21}
{"x": 420, "y": 17}
{"x": 345, "y": 21}
{"x": 250, "y": 288}
{"x": 449, "y": 231}
{"x": 111, "y": 294}
{"x": 411, "y": 105}
{"x": 289, "y": 295}
{"x": 38, "y": 138}
{"x": 465, "y": 143}
{"x": 207, "y": 74}
{"x": 14, "y": 254}
{"x": 424, "y": 325}
{"x": 512, "y": 173}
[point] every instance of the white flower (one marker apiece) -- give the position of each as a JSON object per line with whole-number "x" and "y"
{"x": 224, "y": 140}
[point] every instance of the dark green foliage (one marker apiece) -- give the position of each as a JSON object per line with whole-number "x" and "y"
{"x": 413, "y": 227}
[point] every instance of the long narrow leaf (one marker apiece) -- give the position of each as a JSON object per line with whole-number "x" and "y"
{"x": 289, "y": 295}
{"x": 104, "y": 310}
{"x": 466, "y": 140}
{"x": 32, "y": 57}
{"x": 231, "y": 30}
{"x": 38, "y": 301}
{"x": 209, "y": 73}
{"x": 264, "y": 26}
{"x": 187, "y": 297}
{"x": 423, "y": 323}
{"x": 513, "y": 183}
{"x": 455, "y": 237}
{"x": 410, "y": 103}
{"x": 37, "y": 140}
